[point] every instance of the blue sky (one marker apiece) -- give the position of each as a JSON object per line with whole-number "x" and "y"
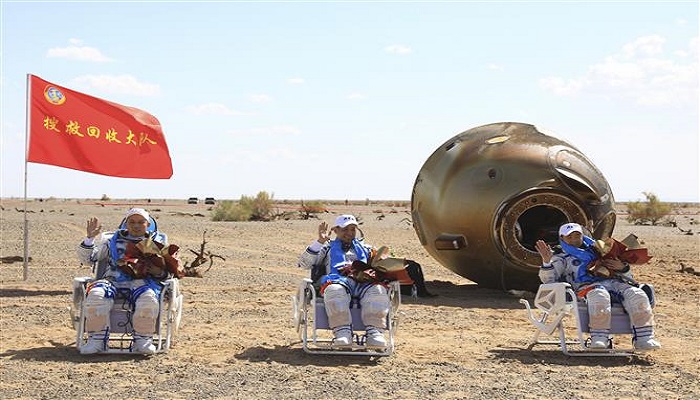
{"x": 347, "y": 100}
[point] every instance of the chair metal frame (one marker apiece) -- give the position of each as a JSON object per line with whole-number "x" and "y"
{"x": 556, "y": 301}
{"x": 311, "y": 321}
{"x": 120, "y": 338}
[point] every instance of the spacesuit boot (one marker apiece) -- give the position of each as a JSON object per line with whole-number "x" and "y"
{"x": 342, "y": 337}
{"x": 644, "y": 338}
{"x": 599, "y": 342}
{"x": 646, "y": 344}
{"x": 600, "y": 339}
{"x": 375, "y": 338}
{"x": 144, "y": 344}
{"x": 94, "y": 344}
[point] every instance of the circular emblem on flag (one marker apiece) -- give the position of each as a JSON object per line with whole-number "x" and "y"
{"x": 54, "y": 95}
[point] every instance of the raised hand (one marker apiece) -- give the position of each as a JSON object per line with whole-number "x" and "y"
{"x": 324, "y": 234}
{"x": 544, "y": 250}
{"x": 93, "y": 227}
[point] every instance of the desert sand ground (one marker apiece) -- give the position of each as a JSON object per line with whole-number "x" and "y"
{"x": 237, "y": 341}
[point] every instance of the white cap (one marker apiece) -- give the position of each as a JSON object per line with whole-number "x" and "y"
{"x": 566, "y": 229}
{"x": 139, "y": 211}
{"x": 344, "y": 220}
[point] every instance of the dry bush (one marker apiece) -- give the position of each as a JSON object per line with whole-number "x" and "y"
{"x": 649, "y": 212}
{"x": 229, "y": 210}
{"x": 311, "y": 209}
{"x": 258, "y": 208}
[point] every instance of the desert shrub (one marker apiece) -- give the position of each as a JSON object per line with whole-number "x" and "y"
{"x": 311, "y": 208}
{"x": 647, "y": 212}
{"x": 105, "y": 198}
{"x": 228, "y": 210}
{"x": 260, "y": 206}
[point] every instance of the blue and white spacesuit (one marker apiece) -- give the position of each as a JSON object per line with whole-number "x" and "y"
{"x": 326, "y": 261}
{"x": 108, "y": 252}
{"x": 571, "y": 266}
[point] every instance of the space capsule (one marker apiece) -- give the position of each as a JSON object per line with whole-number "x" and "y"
{"x": 484, "y": 197}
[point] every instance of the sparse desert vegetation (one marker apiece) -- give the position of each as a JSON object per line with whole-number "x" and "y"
{"x": 236, "y": 340}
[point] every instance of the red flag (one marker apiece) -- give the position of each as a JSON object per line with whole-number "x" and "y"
{"x": 74, "y": 130}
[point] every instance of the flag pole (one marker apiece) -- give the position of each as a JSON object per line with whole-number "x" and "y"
{"x": 25, "y": 272}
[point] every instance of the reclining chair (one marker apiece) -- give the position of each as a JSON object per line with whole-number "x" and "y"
{"x": 311, "y": 322}
{"x": 556, "y": 301}
{"x": 120, "y": 338}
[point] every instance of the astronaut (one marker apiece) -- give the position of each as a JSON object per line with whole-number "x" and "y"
{"x": 327, "y": 258}
{"x": 117, "y": 271}
{"x": 571, "y": 265}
